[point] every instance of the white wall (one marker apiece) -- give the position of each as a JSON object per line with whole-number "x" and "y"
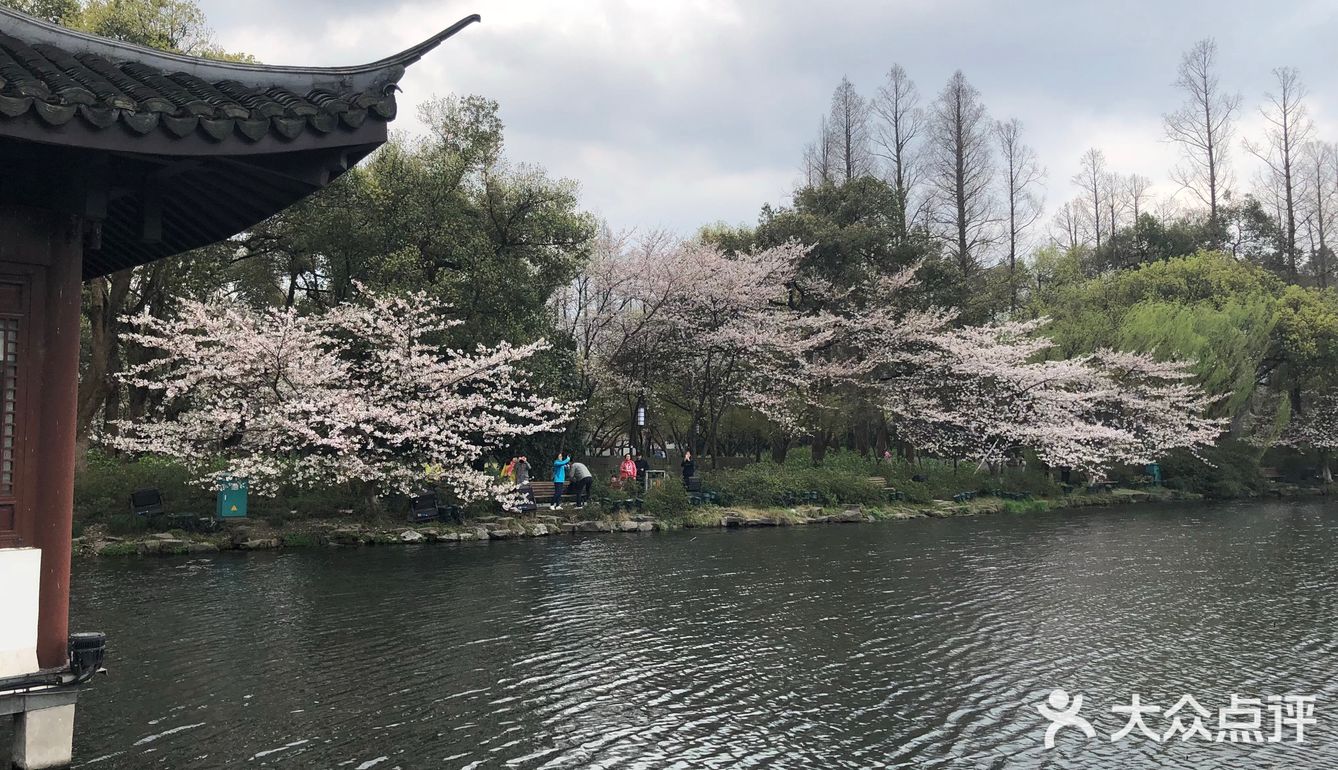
{"x": 20, "y": 571}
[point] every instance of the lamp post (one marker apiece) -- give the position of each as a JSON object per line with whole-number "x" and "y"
{"x": 641, "y": 422}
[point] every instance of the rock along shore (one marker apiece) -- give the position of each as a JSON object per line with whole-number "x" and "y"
{"x": 257, "y": 535}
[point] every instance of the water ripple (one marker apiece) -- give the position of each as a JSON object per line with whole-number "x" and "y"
{"x": 914, "y": 644}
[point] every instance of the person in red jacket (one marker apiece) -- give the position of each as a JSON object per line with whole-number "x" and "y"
{"x": 628, "y": 469}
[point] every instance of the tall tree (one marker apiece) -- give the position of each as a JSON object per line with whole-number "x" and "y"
{"x": 818, "y": 156}
{"x": 1202, "y": 127}
{"x": 1320, "y": 176}
{"x": 1065, "y": 225}
{"x": 848, "y": 123}
{"x": 899, "y": 123}
{"x": 1287, "y": 129}
{"x": 962, "y": 172}
{"x": 1022, "y": 174}
{"x": 1137, "y": 190}
{"x": 1092, "y": 179}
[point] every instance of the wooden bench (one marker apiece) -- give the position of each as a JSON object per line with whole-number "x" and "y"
{"x": 1272, "y": 474}
{"x": 424, "y": 507}
{"x": 147, "y": 503}
{"x": 541, "y": 493}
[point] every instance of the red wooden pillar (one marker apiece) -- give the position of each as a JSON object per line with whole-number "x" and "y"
{"x": 41, "y": 256}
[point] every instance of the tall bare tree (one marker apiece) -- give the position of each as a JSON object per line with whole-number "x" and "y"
{"x": 1065, "y": 226}
{"x": 1115, "y": 202}
{"x": 962, "y": 172}
{"x": 1203, "y": 127}
{"x": 1092, "y": 180}
{"x": 848, "y": 123}
{"x": 1287, "y": 129}
{"x": 818, "y": 157}
{"x": 1137, "y": 189}
{"x": 898, "y": 124}
{"x": 1320, "y": 181}
{"x": 1022, "y": 175}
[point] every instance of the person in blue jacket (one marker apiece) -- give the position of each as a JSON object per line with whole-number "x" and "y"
{"x": 559, "y": 479}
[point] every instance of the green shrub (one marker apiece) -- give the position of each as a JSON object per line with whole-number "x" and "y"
{"x": 1227, "y": 470}
{"x": 1025, "y": 506}
{"x": 769, "y": 484}
{"x": 103, "y": 484}
{"x": 843, "y": 478}
{"x": 119, "y": 549}
{"x": 667, "y": 500}
{"x": 300, "y": 540}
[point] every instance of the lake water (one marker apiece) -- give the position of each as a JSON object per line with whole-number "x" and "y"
{"x": 924, "y": 643}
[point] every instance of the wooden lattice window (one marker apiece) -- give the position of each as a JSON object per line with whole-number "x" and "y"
{"x": 9, "y": 377}
{"x": 13, "y": 486}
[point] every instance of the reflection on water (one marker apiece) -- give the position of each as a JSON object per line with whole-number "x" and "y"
{"x": 910, "y": 644}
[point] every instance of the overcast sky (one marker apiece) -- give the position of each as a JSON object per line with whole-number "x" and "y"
{"x": 675, "y": 113}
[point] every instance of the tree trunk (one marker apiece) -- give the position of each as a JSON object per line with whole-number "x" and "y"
{"x": 862, "y": 438}
{"x": 106, "y": 302}
{"x": 371, "y": 503}
{"x": 880, "y": 438}
{"x": 821, "y": 440}
{"x": 780, "y": 446}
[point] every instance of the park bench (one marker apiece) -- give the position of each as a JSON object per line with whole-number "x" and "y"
{"x": 425, "y": 506}
{"x": 541, "y": 493}
{"x": 147, "y": 503}
{"x": 1272, "y": 474}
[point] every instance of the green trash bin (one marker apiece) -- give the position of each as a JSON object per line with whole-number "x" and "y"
{"x": 231, "y": 497}
{"x": 1154, "y": 473}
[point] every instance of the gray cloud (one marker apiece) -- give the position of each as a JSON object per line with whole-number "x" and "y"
{"x": 675, "y": 114}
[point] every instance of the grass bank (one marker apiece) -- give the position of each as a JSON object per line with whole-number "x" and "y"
{"x": 346, "y": 532}
{"x": 847, "y": 488}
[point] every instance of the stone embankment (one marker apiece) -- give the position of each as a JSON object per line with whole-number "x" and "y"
{"x": 257, "y": 535}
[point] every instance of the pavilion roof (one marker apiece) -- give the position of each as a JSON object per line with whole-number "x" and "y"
{"x": 53, "y": 77}
{"x": 165, "y": 152}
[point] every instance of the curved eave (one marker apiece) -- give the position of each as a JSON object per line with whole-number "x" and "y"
{"x": 117, "y": 139}
{"x": 361, "y": 77}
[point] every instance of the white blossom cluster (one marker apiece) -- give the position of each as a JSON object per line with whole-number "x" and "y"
{"x": 364, "y": 393}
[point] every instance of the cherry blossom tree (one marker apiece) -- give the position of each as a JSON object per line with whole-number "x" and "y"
{"x": 1316, "y": 429}
{"x": 365, "y": 393}
{"x": 720, "y": 330}
{"x": 609, "y": 314}
{"x": 724, "y": 309}
{"x": 828, "y": 350}
{"x": 974, "y": 392}
{"x": 988, "y": 391}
